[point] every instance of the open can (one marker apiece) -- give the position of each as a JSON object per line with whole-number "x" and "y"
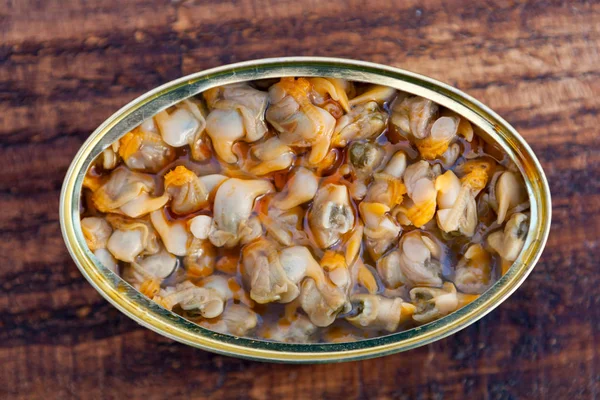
{"x": 149, "y": 314}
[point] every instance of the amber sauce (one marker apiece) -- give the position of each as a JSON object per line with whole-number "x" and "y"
{"x": 228, "y": 260}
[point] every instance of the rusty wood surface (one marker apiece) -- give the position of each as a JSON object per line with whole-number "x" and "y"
{"x": 65, "y": 66}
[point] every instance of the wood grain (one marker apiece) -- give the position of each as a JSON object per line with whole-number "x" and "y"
{"x": 65, "y": 66}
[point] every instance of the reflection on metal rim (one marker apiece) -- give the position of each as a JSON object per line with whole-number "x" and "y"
{"x": 148, "y": 314}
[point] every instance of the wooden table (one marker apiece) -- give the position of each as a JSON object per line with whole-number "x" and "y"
{"x": 65, "y": 66}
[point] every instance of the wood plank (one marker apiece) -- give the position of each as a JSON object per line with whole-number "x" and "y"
{"x": 65, "y": 66}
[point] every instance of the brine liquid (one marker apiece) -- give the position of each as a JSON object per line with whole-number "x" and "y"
{"x": 228, "y": 260}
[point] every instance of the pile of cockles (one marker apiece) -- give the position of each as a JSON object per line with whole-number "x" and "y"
{"x": 306, "y": 210}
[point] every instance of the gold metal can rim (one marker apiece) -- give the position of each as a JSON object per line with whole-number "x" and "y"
{"x": 147, "y": 313}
